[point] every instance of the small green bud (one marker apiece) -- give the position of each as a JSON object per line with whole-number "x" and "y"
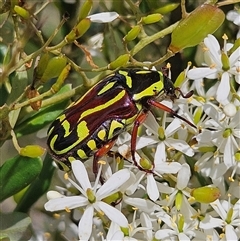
{"x": 167, "y": 8}
{"x": 206, "y": 194}
{"x": 54, "y": 68}
{"x": 42, "y": 65}
{"x": 204, "y": 20}
{"x": 132, "y": 34}
{"x": 79, "y": 30}
{"x": 85, "y": 9}
{"x": 152, "y": 18}
{"x": 22, "y": 12}
{"x": 119, "y": 62}
{"x": 225, "y": 62}
{"x": 227, "y": 133}
{"x": 61, "y": 78}
{"x": 32, "y": 151}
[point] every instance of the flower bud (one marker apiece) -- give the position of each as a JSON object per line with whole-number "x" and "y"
{"x": 85, "y": 9}
{"x": 61, "y": 78}
{"x": 32, "y": 151}
{"x": 22, "y": 12}
{"x": 78, "y": 30}
{"x": 230, "y": 110}
{"x": 132, "y": 34}
{"x": 119, "y": 62}
{"x": 54, "y": 68}
{"x": 204, "y": 20}
{"x": 167, "y": 8}
{"x": 42, "y": 65}
{"x": 152, "y": 18}
{"x": 206, "y": 194}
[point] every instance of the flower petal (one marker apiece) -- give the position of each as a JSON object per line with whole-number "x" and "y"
{"x": 181, "y": 146}
{"x": 65, "y": 202}
{"x": 167, "y": 167}
{"x": 183, "y": 176}
{"x": 85, "y": 224}
{"x": 113, "y": 214}
{"x": 152, "y": 189}
{"x": 223, "y": 88}
{"x": 198, "y": 73}
{"x": 113, "y": 183}
{"x": 105, "y": 17}
{"x": 80, "y": 173}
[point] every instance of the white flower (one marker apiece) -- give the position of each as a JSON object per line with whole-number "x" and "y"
{"x": 219, "y": 67}
{"x": 177, "y": 226}
{"x": 229, "y": 218}
{"x": 234, "y": 16}
{"x": 91, "y": 199}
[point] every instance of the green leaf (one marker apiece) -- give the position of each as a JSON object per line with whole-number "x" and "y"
{"x": 16, "y": 173}
{"x": 16, "y": 226}
{"x": 38, "y": 187}
{"x": 42, "y": 118}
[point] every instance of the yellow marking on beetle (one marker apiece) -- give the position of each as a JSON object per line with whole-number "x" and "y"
{"x": 66, "y": 126}
{"x": 143, "y": 72}
{"x": 106, "y": 87}
{"x": 103, "y": 106}
{"x": 81, "y": 153}
{"x": 82, "y": 132}
{"x": 128, "y": 78}
{"x": 92, "y": 144}
{"x": 129, "y": 81}
{"x": 152, "y": 90}
{"x": 114, "y": 125}
{"x": 101, "y": 134}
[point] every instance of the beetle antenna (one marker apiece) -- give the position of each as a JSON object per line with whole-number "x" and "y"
{"x": 189, "y": 94}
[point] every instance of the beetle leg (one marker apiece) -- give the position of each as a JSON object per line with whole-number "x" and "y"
{"x": 140, "y": 119}
{"x": 169, "y": 110}
{"x": 100, "y": 153}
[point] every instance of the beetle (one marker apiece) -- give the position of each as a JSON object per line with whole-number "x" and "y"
{"x": 91, "y": 125}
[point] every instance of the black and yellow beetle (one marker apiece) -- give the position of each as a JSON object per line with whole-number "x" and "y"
{"x": 91, "y": 125}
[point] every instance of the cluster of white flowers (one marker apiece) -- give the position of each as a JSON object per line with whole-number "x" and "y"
{"x": 190, "y": 189}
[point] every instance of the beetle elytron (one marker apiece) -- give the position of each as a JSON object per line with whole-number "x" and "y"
{"x": 91, "y": 125}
